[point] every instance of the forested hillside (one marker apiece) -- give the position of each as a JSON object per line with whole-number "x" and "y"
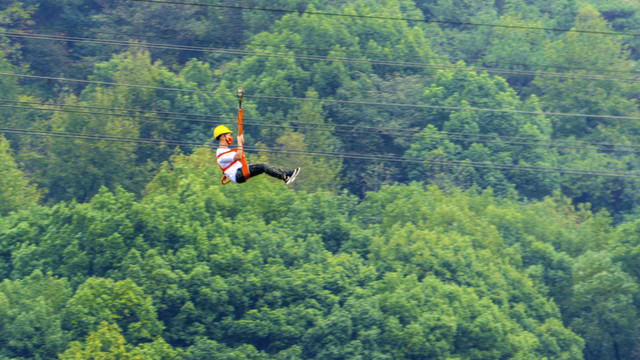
{"x": 470, "y": 182}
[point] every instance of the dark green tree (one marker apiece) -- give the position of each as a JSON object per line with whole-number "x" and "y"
{"x": 31, "y": 323}
{"x": 474, "y": 145}
{"x": 16, "y": 191}
{"x": 100, "y": 300}
{"x": 602, "y": 309}
{"x": 577, "y": 92}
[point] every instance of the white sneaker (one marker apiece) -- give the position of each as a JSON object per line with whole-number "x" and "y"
{"x": 291, "y": 177}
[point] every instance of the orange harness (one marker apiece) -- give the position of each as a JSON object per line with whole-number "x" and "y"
{"x": 245, "y": 168}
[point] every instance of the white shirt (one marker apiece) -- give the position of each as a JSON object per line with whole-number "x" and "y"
{"x": 228, "y": 159}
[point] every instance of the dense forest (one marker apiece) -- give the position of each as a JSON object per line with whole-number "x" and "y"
{"x": 470, "y": 184}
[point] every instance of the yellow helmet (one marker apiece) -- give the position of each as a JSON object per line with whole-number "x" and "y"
{"x": 220, "y": 130}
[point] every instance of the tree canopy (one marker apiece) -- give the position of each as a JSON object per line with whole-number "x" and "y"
{"x": 469, "y": 184}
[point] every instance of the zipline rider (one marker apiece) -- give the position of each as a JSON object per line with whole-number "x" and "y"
{"x": 231, "y": 161}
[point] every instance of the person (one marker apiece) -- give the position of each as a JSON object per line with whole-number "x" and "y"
{"x": 230, "y": 160}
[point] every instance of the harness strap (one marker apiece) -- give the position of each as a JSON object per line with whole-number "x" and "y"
{"x": 225, "y": 180}
{"x": 245, "y": 168}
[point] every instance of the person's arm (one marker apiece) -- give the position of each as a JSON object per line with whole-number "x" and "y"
{"x": 240, "y": 149}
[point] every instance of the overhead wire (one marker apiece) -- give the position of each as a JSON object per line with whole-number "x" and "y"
{"x": 307, "y": 48}
{"x": 334, "y": 128}
{"x": 357, "y": 102}
{"x": 330, "y": 101}
{"x": 556, "y": 145}
{"x": 356, "y": 156}
{"x": 162, "y": 88}
{"x": 191, "y": 48}
{"x": 379, "y": 17}
{"x": 519, "y": 27}
{"x": 324, "y": 58}
{"x": 403, "y": 64}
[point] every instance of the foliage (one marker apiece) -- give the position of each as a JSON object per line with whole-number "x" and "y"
{"x": 502, "y": 145}
{"x": 15, "y": 190}
{"x": 31, "y": 323}
{"x": 579, "y": 94}
{"x": 267, "y": 273}
{"x": 436, "y": 215}
{"x": 107, "y": 343}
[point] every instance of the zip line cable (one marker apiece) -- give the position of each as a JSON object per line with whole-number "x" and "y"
{"x": 377, "y": 17}
{"x": 373, "y": 130}
{"x": 331, "y": 101}
{"x": 357, "y": 156}
{"x": 122, "y": 110}
{"x": 308, "y": 48}
{"x": 200, "y": 40}
{"x": 351, "y": 129}
{"x": 322, "y": 58}
{"x": 317, "y": 57}
{"x": 114, "y": 114}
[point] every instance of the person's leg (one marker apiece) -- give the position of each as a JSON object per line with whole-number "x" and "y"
{"x": 260, "y": 168}
{"x": 257, "y": 169}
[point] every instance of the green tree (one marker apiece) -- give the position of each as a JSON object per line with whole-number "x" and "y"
{"x": 623, "y": 17}
{"x": 513, "y": 49}
{"x": 76, "y": 168}
{"x": 625, "y": 246}
{"x": 374, "y": 126}
{"x": 83, "y": 239}
{"x": 602, "y": 309}
{"x": 402, "y": 318}
{"x": 370, "y": 43}
{"x": 614, "y": 194}
{"x": 162, "y": 111}
{"x": 100, "y": 300}
{"x": 512, "y": 141}
{"x": 205, "y": 349}
{"x": 314, "y": 136}
{"x": 16, "y": 191}
{"x": 464, "y": 37}
{"x": 107, "y": 342}
{"x": 13, "y": 13}
{"x": 579, "y": 94}
{"x": 427, "y": 234}
{"x": 263, "y": 271}
{"x": 31, "y": 316}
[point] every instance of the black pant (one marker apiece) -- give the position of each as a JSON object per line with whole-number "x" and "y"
{"x": 257, "y": 169}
